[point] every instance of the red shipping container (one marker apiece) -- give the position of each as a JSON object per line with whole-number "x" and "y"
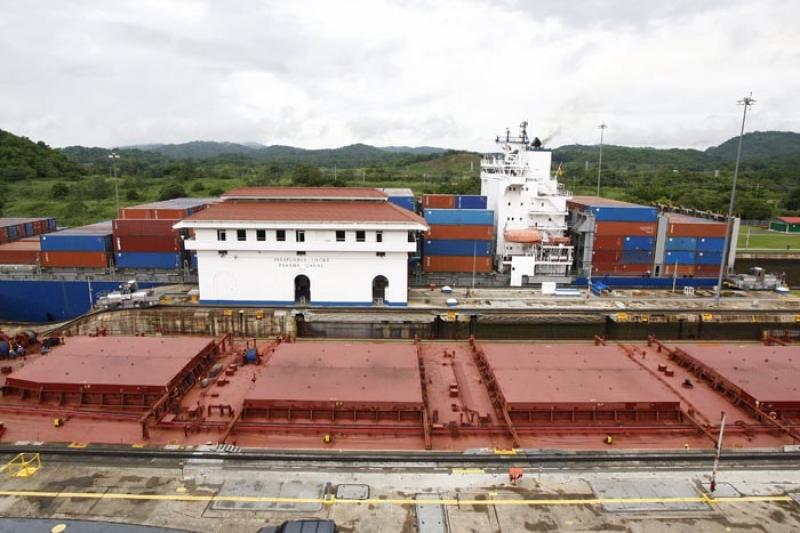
{"x": 3, "y": 234}
{"x": 682, "y": 270}
{"x": 617, "y": 269}
{"x": 606, "y": 256}
{"x": 153, "y": 214}
{"x": 139, "y": 243}
{"x": 134, "y": 227}
{"x": 688, "y": 229}
{"x": 24, "y": 252}
{"x": 608, "y": 243}
{"x": 622, "y": 229}
{"x": 438, "y": 201}
{"x": 458, "y": 232}
{"x": 447, "y": 263}
{"x": 75, "y": 259}
{"x": 706, "y": 270}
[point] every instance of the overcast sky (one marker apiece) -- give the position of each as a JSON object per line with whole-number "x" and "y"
{"x": 444, "y": 73}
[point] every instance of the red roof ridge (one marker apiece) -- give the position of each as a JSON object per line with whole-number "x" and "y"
{"x": 282, "y": 192}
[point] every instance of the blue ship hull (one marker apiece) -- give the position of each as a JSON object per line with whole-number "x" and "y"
{"x": 50, "y": 301}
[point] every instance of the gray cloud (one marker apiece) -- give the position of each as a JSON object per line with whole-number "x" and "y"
{"x": 449, "y": 73}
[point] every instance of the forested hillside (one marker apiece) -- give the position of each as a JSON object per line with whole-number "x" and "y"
{"x": 74, "y": 183}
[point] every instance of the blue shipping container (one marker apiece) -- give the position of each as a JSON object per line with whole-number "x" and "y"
{"x": 12, "y": 233}
{"x": 465, "y": 217}
{"x": 681, "y": 244}
{"x": 29, "y": 229}
{"x": 75, "y": 242}
{"x": 679, "y": 257}
{"x": 637, "y": 257}
{"x": 624, "y": 214}
{"x": 194, "y": 261}
{"x": 638, "y": 243}
{"x": 708, "y": 258}
{"x": 406, "y": 202}
{"x": 470, "y": 201}
{"x": 461, "y": 248}
{"x": 148, "y": 260}
{"x": 711, "y": 244}
{"x": 51, "y": 224}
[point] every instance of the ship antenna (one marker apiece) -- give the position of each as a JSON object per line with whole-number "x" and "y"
{"x": 524, "y": 131}
{"x": 508, "y": 135}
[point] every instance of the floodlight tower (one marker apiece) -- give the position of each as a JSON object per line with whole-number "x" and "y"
{"x": 113, "y": 156}
{"x": 746, "y": 102}
{"x": 600, "y": 163}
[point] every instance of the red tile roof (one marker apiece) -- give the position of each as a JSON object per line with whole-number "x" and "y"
{"x": 306, "y": 211}
{"x": 790, "y": 220}
{"x": 323, "y": 193}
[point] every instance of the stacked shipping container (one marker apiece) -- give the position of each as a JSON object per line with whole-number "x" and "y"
{"x": 14, "y": 229}
{"x": 22, "y": 252}
{"x": 624, "y": 237}
{"x": 694, "y": 246}
{"x": 460, "y": 236}
{"x": 81, "y": 247}
{"x": 402, "y": 197}
{"x": 144, "y": 238}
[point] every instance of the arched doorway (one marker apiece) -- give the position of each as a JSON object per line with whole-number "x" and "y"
{"x": 302, "y": 289}
{"x": 379, "y": 284}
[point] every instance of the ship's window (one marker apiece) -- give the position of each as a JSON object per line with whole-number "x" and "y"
{"x": 361, "y": 236}
{"x": 261, "y": 235}
{"x": 380, "y": 254}
{"x": 339, "y": 236}
{"x": 411, "y": 237}
{"x": 300, "y": 236}
{"x": 301, "y": 253}
{"x": 280, "y": 235}
{"x": 221, "y": 235}
{"x": 378, "y": 236}
{"x": 241, "y": 235}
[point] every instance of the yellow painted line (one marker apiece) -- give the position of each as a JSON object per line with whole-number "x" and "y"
{"x": 77, "y": 445}
{"x": 389, "y": 501}
{"x": 468, "y": 471}
{"x": 500, "y": 451}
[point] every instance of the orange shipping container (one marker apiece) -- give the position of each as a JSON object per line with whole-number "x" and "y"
{"x": 706, "y": 229}
{"x": 438, "y": 201}
{"x": 606, "y": 256}
{"x": 448, "y": 263}
{"x": 154, "y": 214}
{"x": 75, "y": 259}
{"x": 24, "y": 252}
{"x": 616, "y": 269}
{"x": 682, "y": 270}
{"x": 706, "y": 270}
{"x": 458, "y": 232}
{"x": 608, "y": 243}
{"x": 621, "y": 229}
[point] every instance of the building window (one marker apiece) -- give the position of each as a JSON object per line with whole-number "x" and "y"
{"x": 361, "y": 236}
{"x": 411, "y": 237}
{"x": 378, "y": 236}
{"x": 241, "y": 235}
{"x": 380, "y": 254}
{"x": 280, "y": 235}
{"x": 261, "y": 235}
{"x": 300, "y": 236}
{"x": 221, "y": 235}
{"x": 339, "y": 236}
{"x": 301, "y": 253}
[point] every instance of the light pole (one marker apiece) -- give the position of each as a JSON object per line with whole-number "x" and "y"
{"x": 113, "y": 156}
{"x": 746, "y": 102}
{"x": 600, "y": 163}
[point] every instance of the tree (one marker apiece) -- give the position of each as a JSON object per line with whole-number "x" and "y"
{"x": 198, "y": 186}
{"x": 307, "y": 175}
{"x": 132, "y": 194}
{"x": 792, "y": 201}
{"x": 173, "y": 190}
{"x": 59, "y": 190}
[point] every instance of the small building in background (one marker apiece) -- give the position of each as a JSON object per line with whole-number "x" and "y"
{"x": 785, "y": 225}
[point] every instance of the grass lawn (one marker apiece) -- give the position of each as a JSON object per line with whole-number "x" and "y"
{"x": 761, "y": 239}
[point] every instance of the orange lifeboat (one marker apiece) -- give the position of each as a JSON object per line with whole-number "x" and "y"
{"x": 523, "y": 236}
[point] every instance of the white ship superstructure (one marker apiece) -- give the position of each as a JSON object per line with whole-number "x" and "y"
{"x": 530, "y": 210}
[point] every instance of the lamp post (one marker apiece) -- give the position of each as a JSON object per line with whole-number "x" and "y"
{"x": 600, "y": 163}
{"x": 113, "y": 156}
{"x": 746, "y": 102}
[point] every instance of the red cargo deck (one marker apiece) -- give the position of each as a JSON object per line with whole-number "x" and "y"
{"x": 368, "y": 382}
{"x": 576, "y": 384}
{"x": 118, "y": 373}
{"x": 763, "y": 377}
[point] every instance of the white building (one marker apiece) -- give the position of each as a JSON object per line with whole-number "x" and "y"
{"x": 303, "y": 245}
{"x": 530, "y": 211}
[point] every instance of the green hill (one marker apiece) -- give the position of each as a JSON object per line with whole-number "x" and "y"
{"x": 759, "y": 145}
{"x": 22, "y": 159}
